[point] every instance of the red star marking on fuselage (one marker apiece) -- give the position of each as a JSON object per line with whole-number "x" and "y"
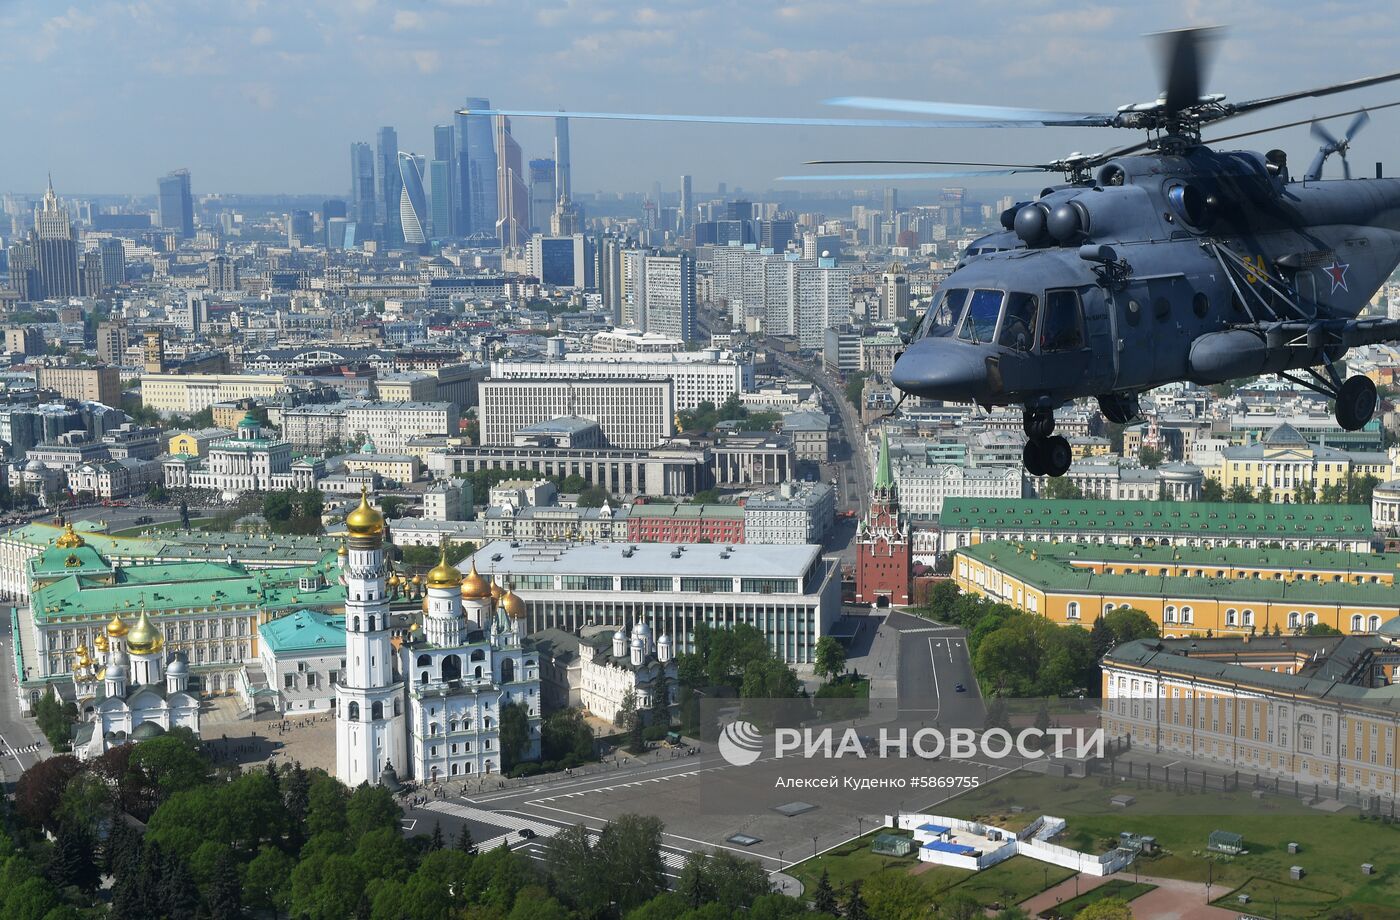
{"x": 1337, "y": 271}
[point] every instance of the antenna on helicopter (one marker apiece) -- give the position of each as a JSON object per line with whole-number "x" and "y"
{"x": 1331, "y": 145}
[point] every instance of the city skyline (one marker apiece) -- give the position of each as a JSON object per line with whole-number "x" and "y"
{"x": 397, "y": 66}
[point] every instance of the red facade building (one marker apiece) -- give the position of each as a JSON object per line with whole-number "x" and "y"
{"x": 884, "y": 553}
{"x": 668, "y": 523}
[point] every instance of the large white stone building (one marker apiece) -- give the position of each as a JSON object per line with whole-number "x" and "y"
{"x": 795, "y": 512}
{"x": 612, "y": 667}
{"x": 250, "y": 461}
{"x": 924, "y": 486}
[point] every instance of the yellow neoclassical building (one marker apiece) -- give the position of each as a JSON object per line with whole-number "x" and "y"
{"x": 1284, "y": 461}
{"x": 1187, "y": 592}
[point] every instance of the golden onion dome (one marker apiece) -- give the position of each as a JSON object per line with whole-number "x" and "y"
{"x": 443, "y": 575}
{"x": 144, "y": 638}
{"x": 365, "y": 521}
{"x": 474, "y": 586}
{"x": 100, "y": 643}
{"x": 514, "y": 605}
{"x": 343, "y": 551}
{"x": 425, "y": 605}
{"x": 80, "y": 654}
{"x": 116, "y": 628}
{"x": 69, "y": 539}
{"x": 498, "y": 591}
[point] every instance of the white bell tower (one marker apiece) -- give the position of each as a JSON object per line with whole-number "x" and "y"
{"x": 369, "y": 722}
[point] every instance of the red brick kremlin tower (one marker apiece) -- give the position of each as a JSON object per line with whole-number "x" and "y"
{"x": 883, "y": 550}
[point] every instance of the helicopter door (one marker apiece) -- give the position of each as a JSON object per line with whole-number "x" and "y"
{"x": 1062, "y": 340}
{"x": 1102, "y": 368}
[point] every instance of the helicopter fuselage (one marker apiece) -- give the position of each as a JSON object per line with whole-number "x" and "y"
{"x": 1203, "y": 266}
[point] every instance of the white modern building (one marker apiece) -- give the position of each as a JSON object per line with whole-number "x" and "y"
{"x": 669, "y": 306}
{"x": 633, "y": 413}
{"x": 789, "y": 593}
{"x": 709, "y": 375}
{"x": 782, "y": 294}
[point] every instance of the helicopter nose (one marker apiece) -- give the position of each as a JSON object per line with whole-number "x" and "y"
{"x": 941, "y": 370}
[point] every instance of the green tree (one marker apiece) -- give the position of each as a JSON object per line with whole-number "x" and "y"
{"x": 830, "y": 658}
{"x": 1129, "y": 623}
{"x": 1062, "y": 488}
{"x": 70, "y": 861}
{"x": 465, "y": 844}
{"x": 565, "y": 733}
{"x": 39, "y": 792}
{"x": 1305, "y": 493}
{"x": 1101, "y": 636}
{"x": 593, "y": 497}
{"x": 1321, "y": 629}
{"x": 1266, "y": 494}
{"x": 771, "y": 679}
{"x": 55, "y": 719}
{"x": 327, "y": 887}
{"x": 1106, "y": 909}
{"x": 1211, "y": 490}
{"x": 823, "y": 896}
{"x": 961, "y": 906}
{"x": 896, "y": 896}
{"x": 1150, "y": 457}
{"x": 722, "y": 879}
{"x": 572, "y": 866}
{"x": 371, "y": 808}
{"x": 856, "y": 908}
{"x": 630, "y": 850}
{"x": 855, "y": 384}
{"x": 514, "y": 734}
{"x": 267, "y": 880}
{"x": 1333, "y": 493}
{"x": 1240, "y": 495}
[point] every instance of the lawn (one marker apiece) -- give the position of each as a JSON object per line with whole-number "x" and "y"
{"x": 1333, "y": 846}
{"x": 195, "y": 524}
{"x": 1009, "y": 882}
{"x": 1113, "y": 888}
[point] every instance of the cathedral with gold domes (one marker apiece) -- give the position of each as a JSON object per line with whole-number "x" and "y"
{"x": 129, "y": 692}
{"x": 435, "y": 715}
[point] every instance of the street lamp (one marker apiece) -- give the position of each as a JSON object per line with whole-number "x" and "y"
{"x": 814, "y": 846}
{"x": 860, "y": 825}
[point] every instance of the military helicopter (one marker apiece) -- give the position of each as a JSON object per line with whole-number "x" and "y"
{"x": 1158, "y": 262}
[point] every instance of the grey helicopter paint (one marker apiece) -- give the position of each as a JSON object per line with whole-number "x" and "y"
{"x": 1161, "y": 261}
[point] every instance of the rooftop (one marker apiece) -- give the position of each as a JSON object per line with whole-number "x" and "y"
{"x": 1154, "y": 518}
{"x": 669, "y": 559}
{"x": 304, "y": 631}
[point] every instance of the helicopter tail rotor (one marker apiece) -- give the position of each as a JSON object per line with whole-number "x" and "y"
{"x": 1331, "y": 145}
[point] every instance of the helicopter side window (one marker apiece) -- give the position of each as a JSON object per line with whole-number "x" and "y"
{"x": 942, "y": 317}
{"x": 979, "y": 324}
{"x": 1062, "y": 328}
{"x": 1018, "y": 325}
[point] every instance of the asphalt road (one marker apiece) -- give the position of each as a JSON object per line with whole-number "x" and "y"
{"x": 854, "y": 484}
{"x": 21, "y": 743}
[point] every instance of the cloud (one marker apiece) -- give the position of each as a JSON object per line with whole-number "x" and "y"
{"x": 408, "y": 21}
{"x": 426, "y": 61}
{"x": 261, "y": 95}
{"x": 262, "y": 35}
{"x": 55, "y": 31}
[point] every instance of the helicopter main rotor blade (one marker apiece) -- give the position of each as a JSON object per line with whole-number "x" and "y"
{"x": 995, "y": 114}
{"x": 1184, "y": 61}
{"x": 746, "y": 119}
{"x": 904, "y": 177}
{"x": 921, "y": 163}
{"x": 1252, "y": 105}
{"x": 1295, "y": 124}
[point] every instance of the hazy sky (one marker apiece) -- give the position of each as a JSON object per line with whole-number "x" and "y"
{"x": 256, "y": 96}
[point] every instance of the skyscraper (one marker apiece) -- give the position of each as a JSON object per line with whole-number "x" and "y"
{"x": 362, "y": 209}
{"x": 476, "y": 170}
{"x": 55, "y": 249}
{"x": 301, "y": 228}
{"x": 113, "y": 252}
{"x": 562, "y": 181}
{"x": 390, "y": 183}
{"x": 683, "y": 216}
{"x": 670, "y": 295}
{"x": 413, "y": 203}
{"x": 543, "y": 175}
{"x": 442, "y": 187}
{"x": 176, "y": 203}
{"x": 512, "y": 198}
{"x": 331, "y": 209}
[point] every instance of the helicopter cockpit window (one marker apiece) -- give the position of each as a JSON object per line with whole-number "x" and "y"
{"x": 942, "y": 317}
{"x": 1018, "y": 325}
{"x": 1062, "y": 328}
{"x": 979, "y": 324}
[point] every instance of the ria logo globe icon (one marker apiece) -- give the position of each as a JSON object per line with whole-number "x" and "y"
{"x": 740, "y": 743}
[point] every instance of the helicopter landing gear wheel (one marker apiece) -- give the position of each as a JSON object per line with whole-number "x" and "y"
{"x": 1356, "y": 402}
{"x": 1056, "y": 455}
{"x": 1119, "y": 408}
{"x": 1039, "y": 424}
{"x": 1031, "y": 457}
{"x": 1047, "y": 456}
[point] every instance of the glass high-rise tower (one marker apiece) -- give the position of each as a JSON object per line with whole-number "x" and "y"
{"x": 390, "y": 183}
{"x": 476, "y": 170}
{"x": 362, "y": 209}
{"x": 176, "y": 203}
{"x": 442, "y": 189}
{"x": 413, "y": 203}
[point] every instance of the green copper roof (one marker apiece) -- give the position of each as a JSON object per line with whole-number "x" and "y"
{"x": 884, "y": 479}
{"x": 1214, "y": 519}
{"x": 304, "y": 631}
{"x": 174, "y": 546}
{"x": 58, "y": 562}
{"x": 171, "y": 586}
{"x": 1051, "y": 570}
